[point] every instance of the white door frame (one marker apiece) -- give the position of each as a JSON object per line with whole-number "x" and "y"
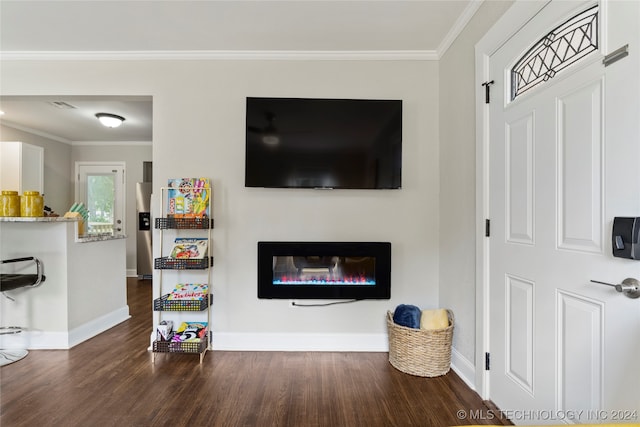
{"x": 510, "y": 23}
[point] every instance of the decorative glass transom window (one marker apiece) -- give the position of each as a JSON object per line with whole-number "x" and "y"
{"x": 563, "y": 46}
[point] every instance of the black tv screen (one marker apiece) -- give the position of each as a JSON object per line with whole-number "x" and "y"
{"x": 323, "y": 143}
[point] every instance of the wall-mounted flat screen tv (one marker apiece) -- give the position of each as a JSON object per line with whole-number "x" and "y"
{"x": 323, "y": 143}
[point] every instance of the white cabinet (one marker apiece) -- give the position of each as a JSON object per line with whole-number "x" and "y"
{"x": 21, "y": 167}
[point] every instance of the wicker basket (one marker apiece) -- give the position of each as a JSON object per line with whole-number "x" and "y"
{"x": 420, "y": 352}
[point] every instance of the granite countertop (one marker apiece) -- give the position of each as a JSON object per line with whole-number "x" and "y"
{"x": 99, "y": 238}
{"x": 79, "y": 239}
{"x": 36, "y": 219}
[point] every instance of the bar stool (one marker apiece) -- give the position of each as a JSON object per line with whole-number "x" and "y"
{"x": 10, "y": 282}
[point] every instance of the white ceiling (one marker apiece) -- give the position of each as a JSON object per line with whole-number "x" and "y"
{"x": 237, "y": 25}
{"x": 37, "y": 114}
{"x": 416, "y": 29}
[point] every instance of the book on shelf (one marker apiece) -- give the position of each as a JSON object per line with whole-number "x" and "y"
{"x": 188, "y": 197}
{"x": 189, "y": 291}
{"x": 190, "y": 332}
{"x": 164, "y": 332}
{"x": 189, "y": 248}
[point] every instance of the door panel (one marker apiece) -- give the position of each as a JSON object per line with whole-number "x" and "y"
{"x": 580, "y": 349}
{"x": 520, "y": 214}
{"x": 579, "y": 116}
{"x": 519, "y": 348}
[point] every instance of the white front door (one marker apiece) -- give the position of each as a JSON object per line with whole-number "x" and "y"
{"x": 563, "y": 162}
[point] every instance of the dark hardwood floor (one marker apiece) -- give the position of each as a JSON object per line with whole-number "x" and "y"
{"x": 109, "y": 380}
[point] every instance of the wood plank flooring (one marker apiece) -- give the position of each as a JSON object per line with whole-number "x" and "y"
{"x": 110, "y": 381}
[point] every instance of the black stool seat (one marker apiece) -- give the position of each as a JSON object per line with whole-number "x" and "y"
{"x": 9, "y": 282}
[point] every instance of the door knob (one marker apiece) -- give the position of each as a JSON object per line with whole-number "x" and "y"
{"x": 629, "y": 286}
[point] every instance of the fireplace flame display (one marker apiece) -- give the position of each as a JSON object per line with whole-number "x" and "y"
{"x": 323, "y": 270}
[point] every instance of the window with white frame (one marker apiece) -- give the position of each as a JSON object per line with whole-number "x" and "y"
{"x": 100, "y": 186}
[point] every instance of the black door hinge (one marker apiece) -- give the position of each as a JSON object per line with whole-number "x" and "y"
{"x": 487, "y": 96}
{"x": 487, "y": 227}
{"x": 487, "y": 361}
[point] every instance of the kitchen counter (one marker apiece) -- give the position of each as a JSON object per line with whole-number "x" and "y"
{"x": 36, "y": 219}
{"x": 85, "y": 291}
{"x": 58, "y": 219}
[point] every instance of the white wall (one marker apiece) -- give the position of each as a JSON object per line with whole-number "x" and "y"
{"x": 458, "y": 176}
{"x": 199, "y": 131}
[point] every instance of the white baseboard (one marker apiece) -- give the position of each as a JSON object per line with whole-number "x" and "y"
{"x": 35, "y": 340}
{"x": 99, "y": 325}
{"x": 300, "y": 342}
{"x": 48, "y": 340}
{"x": 464, "y": 368}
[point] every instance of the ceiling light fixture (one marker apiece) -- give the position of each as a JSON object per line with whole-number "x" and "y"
{"x": 110, "y": 120}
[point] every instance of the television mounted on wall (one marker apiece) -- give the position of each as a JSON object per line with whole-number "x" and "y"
{"x": 323, "y": 143}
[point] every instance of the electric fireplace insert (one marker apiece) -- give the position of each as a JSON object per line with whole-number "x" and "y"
{"x": 324, "y": 270}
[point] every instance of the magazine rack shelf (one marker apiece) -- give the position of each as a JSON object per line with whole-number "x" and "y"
{"x": 168, "y": 263}
{"x": 180, "y": 347}
{"x": 165, "y": 304}
{"x": 185, "y": 264}
{"x": 184, "y": 223}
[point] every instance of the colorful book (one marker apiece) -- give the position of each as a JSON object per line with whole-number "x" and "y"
{"x": 190, "y": 332}
{"x": 189, "y": 291}
{"x": 188, "y": 197}
{"x": 189, "y": 248}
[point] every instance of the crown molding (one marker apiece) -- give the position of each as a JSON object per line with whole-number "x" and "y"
{"x": 196, "y": 55}
{"x": 27, "y": 129}
{"x": 111, "y": 143}
{"x": 70, "y": 142}
{"x": 458, "y": 26}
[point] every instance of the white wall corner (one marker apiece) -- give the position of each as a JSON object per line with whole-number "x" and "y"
{"x": 464, "y": 368}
